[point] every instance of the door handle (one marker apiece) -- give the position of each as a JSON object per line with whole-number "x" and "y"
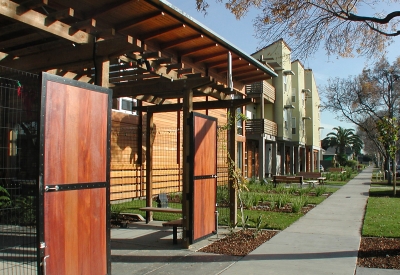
{"x": 44, "y": 264}
{"x": 48, "y": 188}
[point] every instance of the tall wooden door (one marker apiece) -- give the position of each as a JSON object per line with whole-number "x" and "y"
{"x": 204, "y": 186}
{"x": 74, "y": 177}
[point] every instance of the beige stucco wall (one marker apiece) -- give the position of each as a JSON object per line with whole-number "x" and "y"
{"x": 312, "y": 110}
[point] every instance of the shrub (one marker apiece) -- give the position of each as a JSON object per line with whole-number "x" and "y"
{"x": 298, "y": 203}
{"x": 320, "y": 190}
{"x": 282, "y": 200}
{"x": 280, "y": 188}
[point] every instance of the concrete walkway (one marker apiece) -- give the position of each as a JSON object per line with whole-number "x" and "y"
{"x": 325, "y": 241}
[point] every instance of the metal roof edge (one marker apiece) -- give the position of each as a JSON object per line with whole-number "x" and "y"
{"x": 187, "y": 19}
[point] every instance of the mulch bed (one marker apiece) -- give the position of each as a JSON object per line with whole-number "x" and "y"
{"x": 379, "y": 253}
{"x": 239, "y": 243}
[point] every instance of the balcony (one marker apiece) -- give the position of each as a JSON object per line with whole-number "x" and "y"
{"x": 261, "y": 126}
{"x": 263, "y": 87}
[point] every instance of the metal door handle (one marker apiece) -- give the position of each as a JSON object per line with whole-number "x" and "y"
{"x": 48, "y": 188}
{"x": 44, "y": 264}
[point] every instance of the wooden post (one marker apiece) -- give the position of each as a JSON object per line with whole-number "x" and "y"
{"x": 149, "y": 166}
{"x": 232, "y": 148}
{"x": 102, "y": 77}
{"x": 187, "y": 166}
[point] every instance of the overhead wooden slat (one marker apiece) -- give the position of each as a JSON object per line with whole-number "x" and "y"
{"x": 163, "y": 31}
{"x": 197, "y": 49}
{"x": 4, "y": 44}
{"x": 210, "y": 56}
{"x": 178, "y": 42}
{"x": 15, "y": 27}
{"x": 86, "y": 25}
{"x": 30, "y": 5}
{"x": 37, "y": 20}
{"x": 139, "y": 20}
{"x": 77, "y": 53}
{"x": 58, "y": 15}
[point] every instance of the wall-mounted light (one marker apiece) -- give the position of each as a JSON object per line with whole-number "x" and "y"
{"x": 306, "y": 118}
{"x": 320, "y": 128}
{"x": 288, "y": 72}
{"x": 288, "y": 107}
{"x": 306, "y": 91}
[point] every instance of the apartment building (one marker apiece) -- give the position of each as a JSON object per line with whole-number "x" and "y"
{"x": 282, "y": 130}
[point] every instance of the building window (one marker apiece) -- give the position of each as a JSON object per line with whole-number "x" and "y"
{"x": 285, "y": 118}
{"x": 239, "y": 122}
{"x": 125, "y": 105}
{"x": 239, "y": 161}
{"x": 293, "y": 125}
{"x": 293, "y": 95}
{"x": 285, "y": 83}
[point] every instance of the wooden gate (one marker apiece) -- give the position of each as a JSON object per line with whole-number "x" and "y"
{"x": 204, "y": 187}
{"x": 74, "y": 177}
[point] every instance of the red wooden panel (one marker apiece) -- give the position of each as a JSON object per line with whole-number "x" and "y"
{"x": 205, "y": 164}
{"x": 75, "y": 226}
{"x": 73, "y": 113}
{"x": 75, "y": 154}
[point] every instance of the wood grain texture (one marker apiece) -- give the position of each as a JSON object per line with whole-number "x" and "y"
{"x": 73, "y": 113}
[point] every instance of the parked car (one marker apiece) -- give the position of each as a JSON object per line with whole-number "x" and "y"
{"x": 321, "y": 168}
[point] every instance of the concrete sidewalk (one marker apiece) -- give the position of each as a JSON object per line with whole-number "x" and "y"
{"x": 325, "y": 241}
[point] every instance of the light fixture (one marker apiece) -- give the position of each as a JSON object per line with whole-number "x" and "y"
{"x": 288, "y": 72}
{"x": 320, "y": 128}
{"x": 288, "y": 107}
{"x": 306, "y": 118}
{"x": 306, "y": 91}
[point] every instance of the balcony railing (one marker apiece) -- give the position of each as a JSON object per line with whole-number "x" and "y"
{"x": 261, "y": 126}
{"x": 262, "y": 87}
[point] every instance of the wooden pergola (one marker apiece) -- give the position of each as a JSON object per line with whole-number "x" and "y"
{"x": 144, "y": 49}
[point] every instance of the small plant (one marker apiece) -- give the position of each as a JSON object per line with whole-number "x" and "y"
{"x": 282, "y": 200}
{"x": 257, "y": 226}
{"x": 298, "y": 203}
{"x": 304, "y": 191}
{"x": 280, "y": 188}
{"x": 320, "y": 190}
{"x": 4, "y": 197}
{"x": 293, "y": 189}
{"x": 115, "y": 210}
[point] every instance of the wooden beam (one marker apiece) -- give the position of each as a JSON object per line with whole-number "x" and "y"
{"x": 10, "y": 28}
{"x": 37, "y": 20}
{"x": 159, "y": 86}
{"x": 159, "y": 32}
{"x": 59, "y": 15}
{"x": 30, "y": 5}
{"x": 57, "y": 58}
{"x": 198, "y": 49}
{"x": 234, "y": 68}
{"x": 181, "y": 41}
{"x": 19, "y": 40}
{"x": 139, "y": 20}
{"x": 87, "y": 25}
{"x": 220, "y": 63}
{"x": 217, "y": 104}
{"x": 210, "y": 56}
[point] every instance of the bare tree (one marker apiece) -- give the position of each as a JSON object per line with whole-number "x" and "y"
{"x": 304, "y": 25}
{"x": 368, "y": 100}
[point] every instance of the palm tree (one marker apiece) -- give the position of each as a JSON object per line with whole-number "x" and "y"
{"x": 342, "y": 139}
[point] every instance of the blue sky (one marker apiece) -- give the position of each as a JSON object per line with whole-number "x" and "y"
{"x": 240, "y": 33}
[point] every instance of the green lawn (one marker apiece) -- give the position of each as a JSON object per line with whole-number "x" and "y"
{"x": 382, "y": 214}
{"x": 259, "y": 195}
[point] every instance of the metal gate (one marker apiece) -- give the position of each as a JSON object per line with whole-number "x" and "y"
{"x": 204, "y": 187}
{"x": 19, "y": 117}
{"x": 74, "y": 192}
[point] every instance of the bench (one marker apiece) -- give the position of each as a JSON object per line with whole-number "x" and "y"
{"x": 175, "y": 224}
{"x": 287, "y": 179}
{"x": 162, "y": 206}
{"x": 338, "y": 169}
{"x": 312, "y": 177}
